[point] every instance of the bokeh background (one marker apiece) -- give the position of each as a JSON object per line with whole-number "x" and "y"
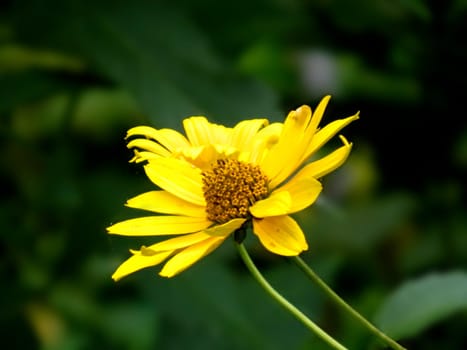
{"x": 389, "y": 233}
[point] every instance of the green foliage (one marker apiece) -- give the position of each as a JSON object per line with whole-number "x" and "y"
{"x": 75, "y": 75}
{"x": 419, "y": 303}
{"x": 161, "y": 58}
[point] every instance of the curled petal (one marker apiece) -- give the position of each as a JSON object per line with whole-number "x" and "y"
{"x": 280, "y": 235}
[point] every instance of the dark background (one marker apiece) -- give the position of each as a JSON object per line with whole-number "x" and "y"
{"x": 75, "y": 75}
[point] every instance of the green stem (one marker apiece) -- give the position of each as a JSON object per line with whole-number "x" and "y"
{"x": 284, "y": 302}
{"x": 339, "y": 301}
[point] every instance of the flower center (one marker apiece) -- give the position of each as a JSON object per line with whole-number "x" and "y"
{"x": 231, "y": 187}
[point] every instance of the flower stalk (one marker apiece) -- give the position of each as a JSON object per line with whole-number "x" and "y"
{"x": 284, "y": 302}
{"x": 342, "y": 304}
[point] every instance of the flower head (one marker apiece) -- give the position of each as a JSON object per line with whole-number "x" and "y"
{"x": 216, "y": 179}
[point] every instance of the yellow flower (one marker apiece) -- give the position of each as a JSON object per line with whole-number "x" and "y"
{"x": 216, "y": 179}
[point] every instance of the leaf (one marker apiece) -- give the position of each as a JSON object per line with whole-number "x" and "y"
{"x": 420, "y": 303}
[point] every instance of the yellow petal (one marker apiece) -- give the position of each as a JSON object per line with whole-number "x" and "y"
{"x": 179, "y": 242}
{"x": 326, "y": 133}
{"x": 225, "y": 151}
{"x": 171, "y": 139}
{"x": 244, "y": 133}
{"x": 201, "y": 156}
{"x": 143, "y": 156}
{"x": 145, "y": 131}
{"x": 271, "y": 131}
{"x": 150, "y": 146}
{"x": 263, "y": 141}
{"x": 194, "y": 152}
{"x": 166, "y": 203}
{"x": 159, "y": 225}
{"x": 137, "y": 262}
{"x": 284, "y": 157}
{"x": 197, "y": 130}
{"x": 280, "y": 235}
{"x": 303, "y": 192}
{"x": 168, "y": 138}
{"x": 278, "y": 203}
{"x": 225, "y": 229}
{"x": 219, "y": 134}
{"x": 178, "y": 177}
{"x": 189, "y": 256}
{"x": 317, "y": 116}
{"x": 328, "y": 163}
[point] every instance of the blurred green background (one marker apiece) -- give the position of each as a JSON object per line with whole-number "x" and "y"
{"x": 389, "y": 232}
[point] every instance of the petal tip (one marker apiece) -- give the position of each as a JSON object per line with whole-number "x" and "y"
{"x": 166, "y": 275}
{"x": 305, "y": 109}
{"x": 345, "y": 141}
{"x": 117, "y": 275}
